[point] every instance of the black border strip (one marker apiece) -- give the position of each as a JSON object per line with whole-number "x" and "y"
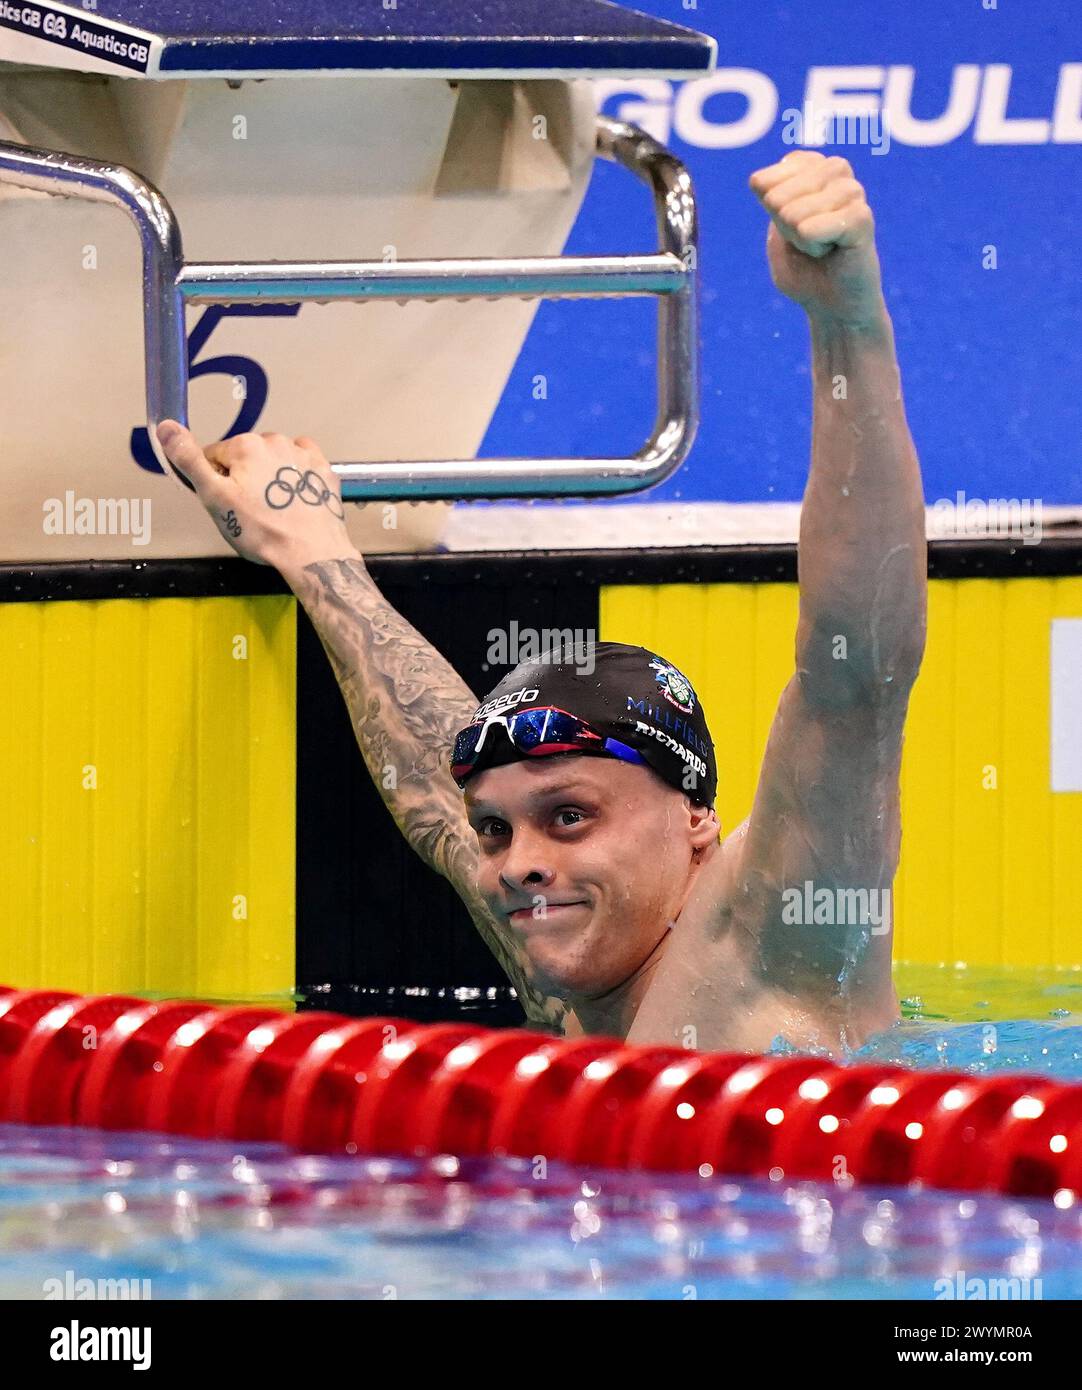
{"x": 93, "y": 579}
{"x": 751, "y": 564}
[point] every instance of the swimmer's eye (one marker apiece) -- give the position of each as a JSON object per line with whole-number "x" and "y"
{"x": 492, "y": 828}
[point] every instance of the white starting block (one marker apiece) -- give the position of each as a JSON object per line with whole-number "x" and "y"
{"x": 446, "y": 165}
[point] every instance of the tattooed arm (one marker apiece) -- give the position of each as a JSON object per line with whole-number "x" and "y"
{"x": 407, "y": 703}
{"x": 277, "y": 502}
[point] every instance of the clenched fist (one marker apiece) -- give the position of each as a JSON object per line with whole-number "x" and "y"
{"x": 276, "y": 500}
{"x": 821, "y": 242}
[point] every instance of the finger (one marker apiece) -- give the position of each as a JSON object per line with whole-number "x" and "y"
{"x": 848, "y": 226}
{"x": 770, "y": 174}
{"x": 838, "y": 193}
{"x": 183, "y": 451}
{"x": 806, "y": 182}
{"x": 796, "y": 162}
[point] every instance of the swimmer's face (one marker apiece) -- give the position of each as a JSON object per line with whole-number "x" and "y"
{"x": 587, "y": 860}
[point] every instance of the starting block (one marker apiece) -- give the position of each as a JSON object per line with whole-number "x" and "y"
{"x": 443, "y": 167}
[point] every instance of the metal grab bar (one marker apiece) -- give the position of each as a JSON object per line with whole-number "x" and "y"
{"x": 670, "y": 274}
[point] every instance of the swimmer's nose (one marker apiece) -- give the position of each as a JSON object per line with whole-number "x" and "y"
{"x": 514, "y": 877}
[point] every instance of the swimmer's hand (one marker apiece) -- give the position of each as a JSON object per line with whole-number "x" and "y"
{"x": 821, "y": 242}
{"x": 276, "y": 500}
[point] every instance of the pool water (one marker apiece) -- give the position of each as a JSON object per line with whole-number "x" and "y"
{"x": 201, "y": 1219}
{"x": 207, "y": 1220}
{"x": 985, "y": 1021}
{"x": 967, "y": 994}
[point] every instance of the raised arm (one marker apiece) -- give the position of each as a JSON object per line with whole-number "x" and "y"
{"x": 824, "y": 829}
{"x": 790, "y": 931}
{"x": 277, "y": 502}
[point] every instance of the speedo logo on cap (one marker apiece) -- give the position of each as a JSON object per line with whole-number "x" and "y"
{"x": 502, "y": 702}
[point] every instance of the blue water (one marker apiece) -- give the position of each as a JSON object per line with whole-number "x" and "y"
{"x": 985, "y": 1020}
{"x": 215, "y": 1220}
{"x": 1013, "y": 1045}
{"x": 207, "y": 1220}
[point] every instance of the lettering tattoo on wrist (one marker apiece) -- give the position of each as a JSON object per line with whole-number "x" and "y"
{"x": 231, "y": 524}
{"x": 289, "y": 484}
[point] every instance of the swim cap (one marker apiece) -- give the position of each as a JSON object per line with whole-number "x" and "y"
{"x": 629, "y": 694}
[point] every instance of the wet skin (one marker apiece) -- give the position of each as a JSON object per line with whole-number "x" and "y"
{"x": 589, "y": 861}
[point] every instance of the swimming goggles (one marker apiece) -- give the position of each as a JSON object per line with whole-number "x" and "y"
{"x": 536, "y": 733}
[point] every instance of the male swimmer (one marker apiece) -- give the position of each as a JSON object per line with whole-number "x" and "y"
{"x": 573, "y": 813}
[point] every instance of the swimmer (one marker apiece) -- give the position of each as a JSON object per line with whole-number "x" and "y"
{"x": 574, "y": 812}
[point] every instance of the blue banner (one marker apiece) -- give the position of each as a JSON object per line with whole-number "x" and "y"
{"x": 963, "y": 120}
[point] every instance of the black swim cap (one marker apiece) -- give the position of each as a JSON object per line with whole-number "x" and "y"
{"x": 626, "y": 693}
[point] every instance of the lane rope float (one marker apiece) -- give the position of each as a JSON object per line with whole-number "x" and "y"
{"x": 326, "y": 1083}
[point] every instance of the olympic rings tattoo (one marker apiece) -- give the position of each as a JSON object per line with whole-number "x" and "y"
{"x": 309, "y": 487}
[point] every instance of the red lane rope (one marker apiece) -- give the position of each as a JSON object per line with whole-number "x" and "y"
{"x": 325, "y": 1083}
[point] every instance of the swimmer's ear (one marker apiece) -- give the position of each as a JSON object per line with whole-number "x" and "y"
{"x": 183, "y": 452}
{"x": 705, "y": 827}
